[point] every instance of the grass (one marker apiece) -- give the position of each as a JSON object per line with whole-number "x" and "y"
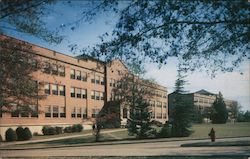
{"x": 200, "y": 132}
{"x": 217, "y": 144}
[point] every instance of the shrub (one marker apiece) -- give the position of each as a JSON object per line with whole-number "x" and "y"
{"x": 165, "y": 131}
{"x": 59, "y": 130}
{"x": 20, "y": 133}
{"x": 68, "y": 129}
{"x": 47, "y": 130}
{"x": 77, "y": 128}
{"x": 10, "y": 135}
{"x": 27, "y": 134}
{"x": 80, "y": 127}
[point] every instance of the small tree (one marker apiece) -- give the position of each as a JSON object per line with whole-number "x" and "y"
{"x": 27, "y": 134}
{"x": 10, "y": 135}
{"x": 219, "y": 111}
{"x": 20, "y": 133}
{"x": 182, "y": 111}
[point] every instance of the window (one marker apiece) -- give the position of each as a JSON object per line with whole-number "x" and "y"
{"x": 97, "y": 79}
{"x": 102, "y": 80}
{"x": 79, "y": 113}
{"x": 61, "y": 71}
{"x": 92, "y": 78}
{"x": 159, "y": 104}
{"x": 14, "y": 112}
{"x": 84, "y": 93}
{"x": 62, "y": 90}
{"x": 62, "y": 112}
{"x": 102, "y": 95}
{"x": 72, "y": 74}
{"x": 54, "y": 69}
{"x": 84, "y": 76}
{"x": 78, "y": 75}
{"x": 92, "y": 94}
{"x": 55, "y": 111}
{"x": 159, "y": 116}
{"x": 97, "y": 95}
{"x": 153, "y": 114}
{"x": 47, "y": 88}
{"x": 34, "y": 111}
{"x": 95, "y": 112}
{"x": 78, "y": 92}
{"x": 73, "y": 112}
{"x": 72, "y": 92}
{"x": 84, "y": 113}
{"x": 46, "y": 68}
{"x": 47, "y": 111}
{"x": 54, "y": 89}
{"x": 164, "y": 105}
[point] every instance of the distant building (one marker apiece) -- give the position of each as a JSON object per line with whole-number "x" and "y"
{"x": 203, "y": 101}
{"x": 76, "y": 90}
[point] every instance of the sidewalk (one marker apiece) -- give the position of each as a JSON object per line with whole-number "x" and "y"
{"x": 3, "y": 144}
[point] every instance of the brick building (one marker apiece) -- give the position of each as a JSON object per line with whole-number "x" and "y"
{"x": 76, "y": 89}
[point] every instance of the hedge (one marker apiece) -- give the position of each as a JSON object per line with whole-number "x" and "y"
{"x": 10, "y": 135}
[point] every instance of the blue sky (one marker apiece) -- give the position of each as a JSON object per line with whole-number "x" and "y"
{"x": 232, "y": 85}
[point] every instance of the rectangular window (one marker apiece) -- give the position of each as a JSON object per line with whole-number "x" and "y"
{"x": 72, "y": 74}
{"x": 34, "y": 111}
{"x": 84, "y": 76}
{"x": 78, "y": 75}
{"x": 47, "y": 111}
{"x": 97, "y": 95}
{"x": 55, "y": 111}
{"x": 46, "y": 68}
{"x": 164, "y": 105}
{"x": 92, "y": 78}
{"x": 97, "y": 79}
{"x": 92, "y": 94}
{"x": 62, "y": 112}
{"x": 84, "y": 113}
{"x": 78, "y": 92}
{"x": 73, "y": 112}
{"x": 72, "y": 92}
{"x": 54, "y": 69}
{"x": 95, "y": 112}
{"x": 54, "y": 89}
{"x": 102, "y": 95}
{"x": 61, "y": 71}
{"x": 47, "y": 88}
{"x": 84, "y": 93}
{"x": 102, "y": 80}
{"x": 79, "y": 113}
{"x": 62, "y": 90}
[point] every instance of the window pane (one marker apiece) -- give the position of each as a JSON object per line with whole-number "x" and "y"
{"x": 84, "y": 76}
{"x": 72, "y": 92}
{"x": 97, "y": 94}
{"x": 55, "y": 111}
{"x": 47, "y": 111}
{"x": 73, "y": 112}
{"x": 84, "y": 93}
{"x": 92, "y": 94}
{"x": 72, "y": 74}
{"x": 54, "y": 89}
{"x": 61, "y": 70}
{"x": 78, "y": 92}
{"x": 78, "y": 75}
{"x": 62, "y": 112}
{"x": 54, "y": 69}
{"x": 47, "y": 88}
{"x": 62, "y": 90}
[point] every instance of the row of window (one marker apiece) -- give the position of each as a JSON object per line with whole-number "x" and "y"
{"x": 29, "y": 111}
{"x": 97, "y": 95}
{"x": 78, "y": 93}
{"x": 78, "y": 75}
{"x": 77, "y": 112}
{"x": 55, "y": 112}
{"x": 54, "y": 69}
{"x": 54, "y": 89}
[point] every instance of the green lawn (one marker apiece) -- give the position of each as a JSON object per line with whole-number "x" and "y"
{"x": 200, "y": 132}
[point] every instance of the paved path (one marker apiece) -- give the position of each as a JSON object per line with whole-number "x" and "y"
{"x": 165, "y": 148}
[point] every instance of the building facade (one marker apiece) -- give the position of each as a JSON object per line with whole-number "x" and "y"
{"x": 202, "y": 100}
{"x": 76, "y": 89}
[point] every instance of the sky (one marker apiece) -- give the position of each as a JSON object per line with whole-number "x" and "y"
{"x": 233, "y": 85}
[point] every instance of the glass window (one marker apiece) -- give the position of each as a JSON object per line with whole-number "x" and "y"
{"x": 92, "y": 94}
{"x": 164, "y": 105}
{"x": 102, "y": 95}
{"x": 54, "y": 89}
{"x": 54, "y": 69}
{"x": 47, "y": 110}
{"x": 72, "y": 74}
{"x": 84, "y": 113}
{"x": 72, "y": 92}
{"x": 78, "y": 92}
{"x": 95, "y": 112}
{"x": 78, "y": 75}
{"x": 47, "y": 88}
{"x": 62, "y": 90}
{"x": 92, "y": 78}
{"x": 79, "y": 113}
{"x": 61, "y": 71}
{"x": 55, "y": 111}
{"x": 34, "y": 110}
{"x": 14, "y": 110}
{"x": 97, "y": 79}
{"x": 84, "y": 76}
{"x": 46, "y": 68}
{"x": 73, "y": 112}
{"x": 102, "y": 80}
{"x": 84, "y": 93}
{"x": 97, "y": 95}
{"x": 62, "y": 112}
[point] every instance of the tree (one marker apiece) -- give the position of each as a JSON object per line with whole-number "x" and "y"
{"x": 28, "y": 17}
{"x": 219, "y": 111}
{"x": 212, "y": 35}
{"x": 182, "y": 109}
{"x": 234, "y": 109}
{"x": 18, "y": 89}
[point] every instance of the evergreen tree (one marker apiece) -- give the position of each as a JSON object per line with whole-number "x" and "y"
{"x": 182, "y": 111}
{"x": 219, "y": 111}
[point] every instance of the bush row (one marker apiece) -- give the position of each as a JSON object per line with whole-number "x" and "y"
{"x": 48, "y": 130}
{"x": 20, "y": 134}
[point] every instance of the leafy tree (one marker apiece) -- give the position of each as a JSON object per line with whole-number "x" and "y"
{"x": 18, "y": 88}
{"x": 234, "y": 109}
{"x": 247, "y": 116}
{"x": 219, "y": 111}
{"x": 182, "y": 111}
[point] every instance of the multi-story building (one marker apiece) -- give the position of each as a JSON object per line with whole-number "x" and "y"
{"x": 202, "y": 99}
{"x": 76, "y": 89}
